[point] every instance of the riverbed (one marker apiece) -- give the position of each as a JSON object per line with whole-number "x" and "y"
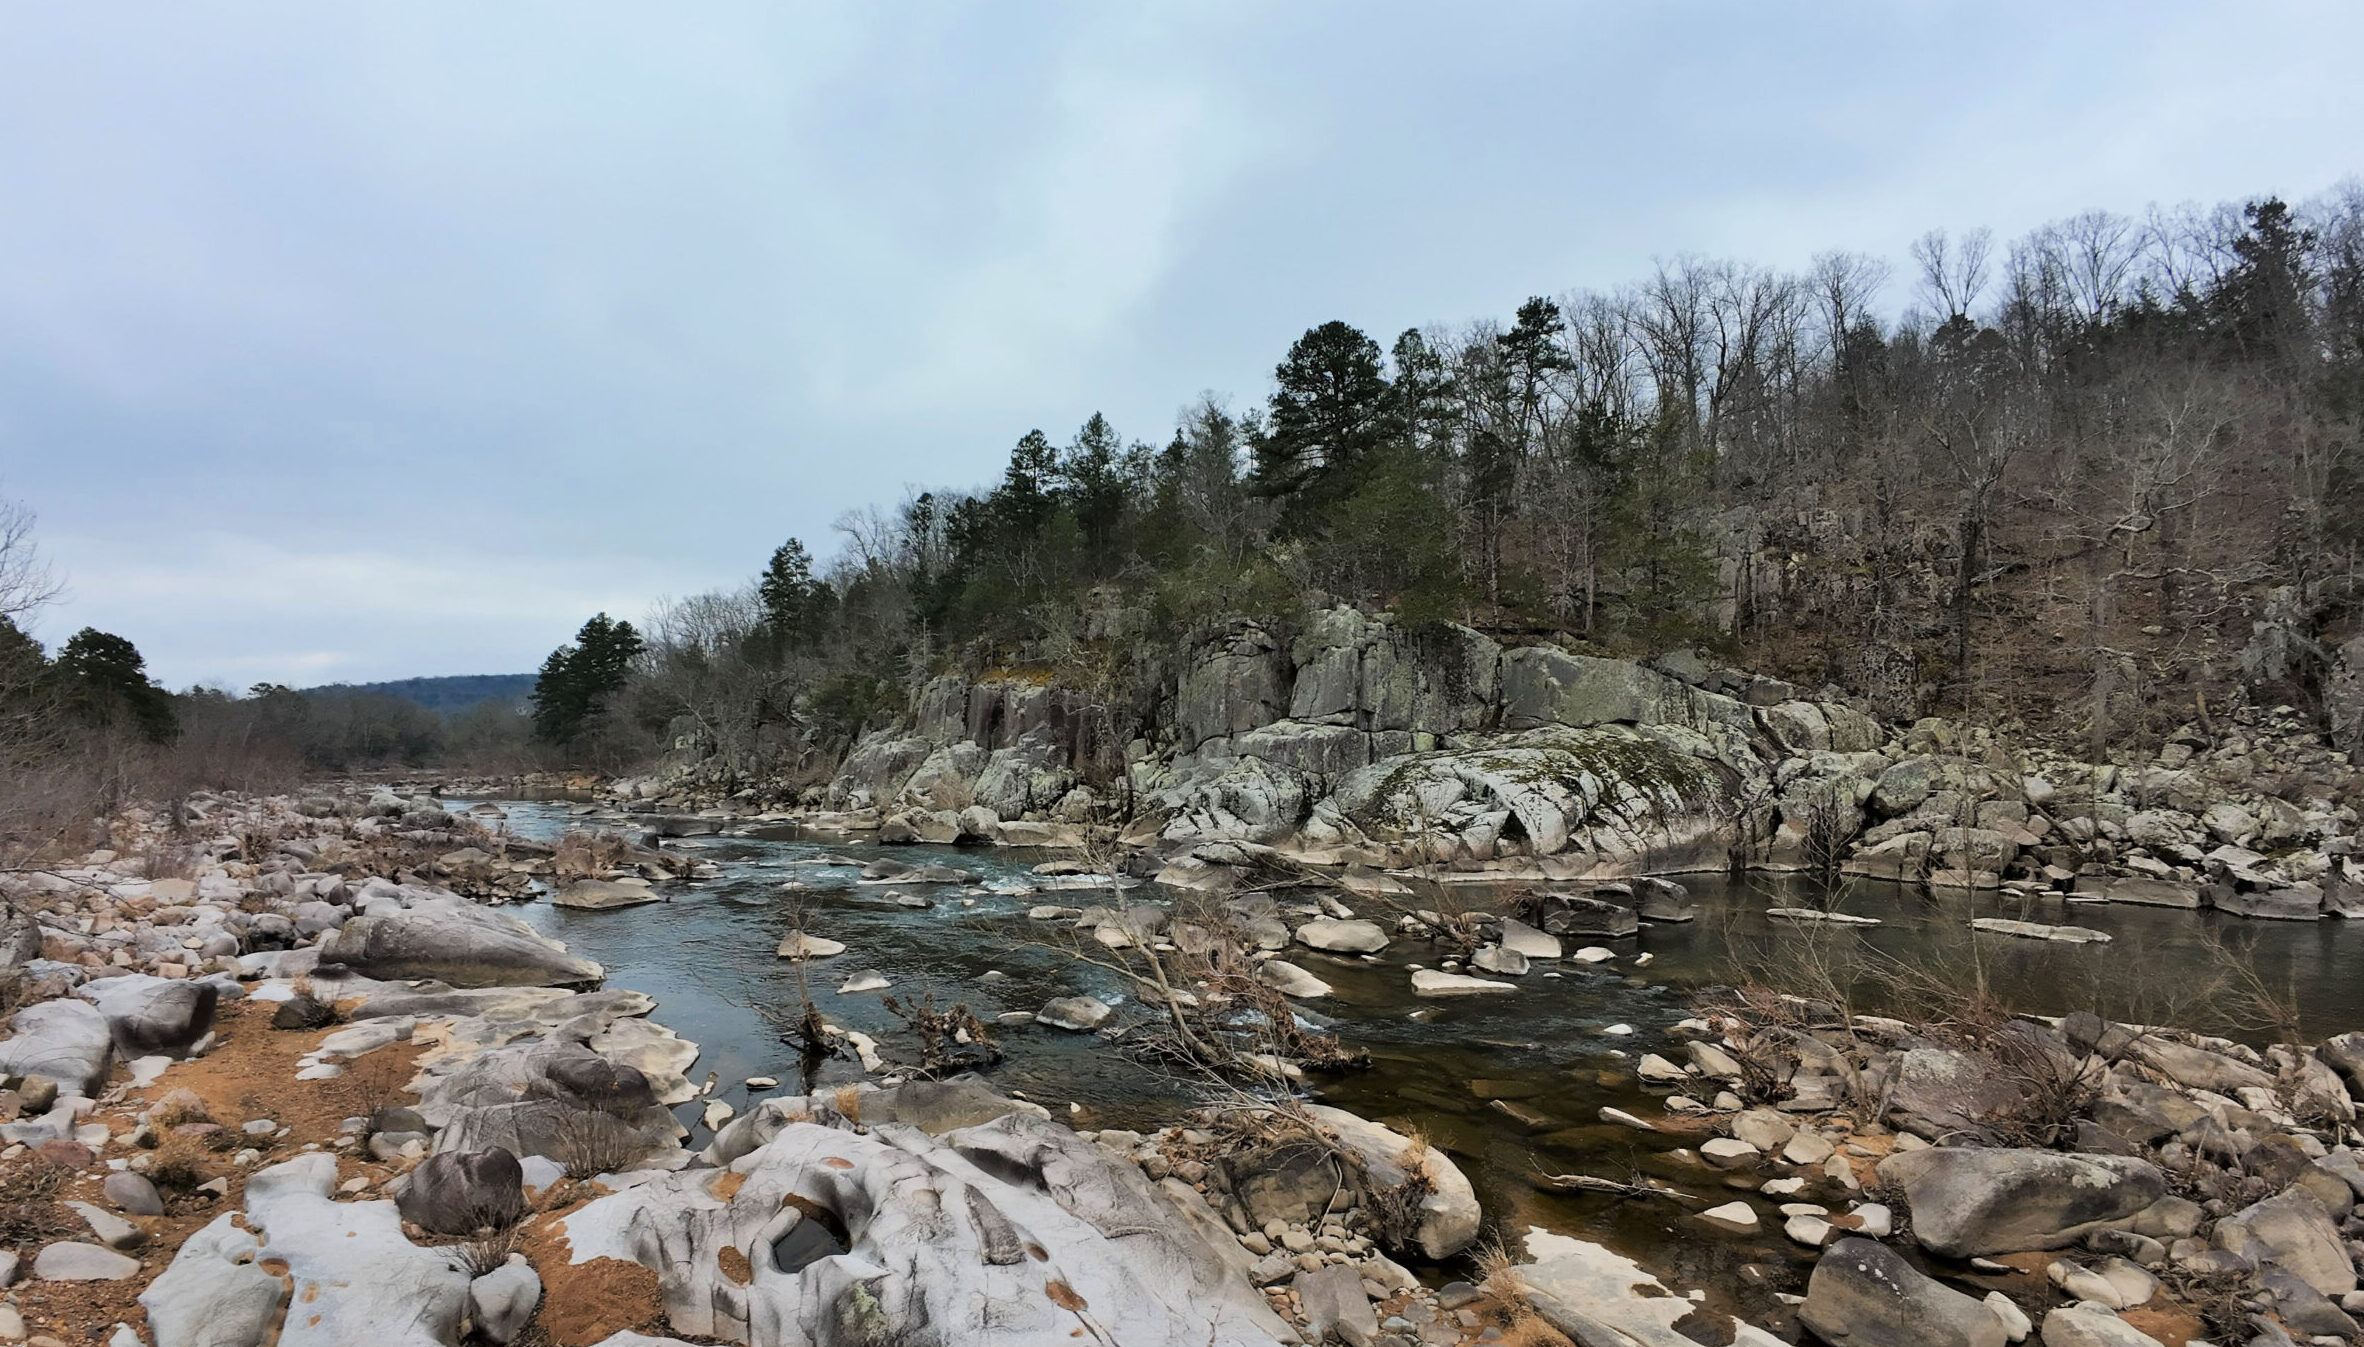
{"x": 1552, "y": 1052}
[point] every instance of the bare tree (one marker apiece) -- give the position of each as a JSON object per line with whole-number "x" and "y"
{"x": 26, "y": 581}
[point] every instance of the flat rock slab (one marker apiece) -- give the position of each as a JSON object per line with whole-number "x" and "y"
{"x": 603, "y": 893}
{"x": 1076, "y": 1014}
{"x": 2036, "y": 930}
{"x": 1342, "y": 937}
{"x": 72, "y": 1261}
{"x": 1429, "y": 982}
{"x": 798, "y": 945}
{"x": 1816, "y": 914}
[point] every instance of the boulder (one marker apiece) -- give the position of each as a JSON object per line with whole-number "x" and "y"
{"x": 461, "y": 1192}
{"x": 1290, "y": 980}
{"x": 149, "y": 1015}
{"x": 1536, "y": 945}
{"x": 1430, "y": 982}
{"x": 1076, "y": 1014}
{"x": 1863, "y": 1294}
{"x": 502, "y": 1301}
{"x": 1449, "y": 1214}
{"x": 604, "y": 893}
{"x": 458, "y": 943}
{"x": 67, "y": 1041}
{"x": 1939, "y": 1093}
{"x": 213, "y": 1295}
{"x": 870, "y": 1237}
{"x": 1498, "y": 959}
{"x": 1584, "y": 914}
{"x": 799, "y": 946}
{"x": 1969, "y": 1203}
{"x": 2294, "y": 1232}
{"x": 1342, "y": 937}
{"x": 71, "y": 1261}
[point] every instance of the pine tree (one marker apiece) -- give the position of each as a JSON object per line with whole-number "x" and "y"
{"x": 1332, "y": 410}
{"x": 105, "y": 678}
{"x": 796, "y": 607}
{"x": 576, "y": 680}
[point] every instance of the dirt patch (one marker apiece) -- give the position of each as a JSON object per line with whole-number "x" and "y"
{"x": 588, "y": 1302}
{"x": 248, "y": 1073}
{"x": 2172, "y": 1325}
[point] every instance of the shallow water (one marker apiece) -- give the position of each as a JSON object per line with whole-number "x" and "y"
{"x": 707, "y": 956}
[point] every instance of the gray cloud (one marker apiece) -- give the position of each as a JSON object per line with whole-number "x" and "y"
{"x": 361, "y": 341}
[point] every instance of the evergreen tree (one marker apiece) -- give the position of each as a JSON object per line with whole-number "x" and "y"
{"x": 796, "y": 606}
{"x": 1095, "y": 485}
{"x": 105, "y": 679}
{"x": 577, "y": 679}
{"x": 1332, "y": 410}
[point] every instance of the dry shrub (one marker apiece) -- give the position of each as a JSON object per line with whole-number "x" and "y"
{"x": 588, "y": 854}
{"x": 848, "y": 1099}
{"x": 179, "y": 1165}
{"x": 29, "y": 1210}
{"x": 950, "y": 1041}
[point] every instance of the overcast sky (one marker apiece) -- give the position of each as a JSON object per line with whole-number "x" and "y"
{"x": 358, "y": 341}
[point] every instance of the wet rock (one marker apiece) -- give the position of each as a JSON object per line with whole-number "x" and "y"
{"x": 1738, "y": 1218}
{"x": 1498, "y": 959}
{"x": 799, "y": 946}
{"x": 1583, "y": 914}
{"x": 1076, "y": 1014}
{"x": 601, "y": 894}
{"x": 1290, "y": 980}
{"x": 1663, "y": 900}
{"x": 1534, "y": 944}
{"x": 1429, "y": 982}
{"x": 1342, "y": 937}
{"x": 1862, "y": 1294}
{"x": 1970, "y": 1202}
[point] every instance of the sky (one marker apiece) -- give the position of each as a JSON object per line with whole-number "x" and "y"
{"x": 373, "y": 340}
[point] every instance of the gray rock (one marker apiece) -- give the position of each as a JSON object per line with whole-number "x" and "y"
{"x": 67, "y": 1041}
{"x": 1497, "y": 959}
{"x": 1290, "y": 980}
{"x": 2293, "y": 1231}
{"x": 73, "y": 1261}
{"x": 1939, "y": 1093}
{"x": 457, "y": 943}
{"x": 2076, "y": 1326}
{"x": 935, "y": 1231}
{"x": 1334, "y": 1302}
{"x": 461, "y": 1192}
{"x": 1342, "y": 937}
{"x": 1967, "y": 1203}
{"x": 599, "y": 894}
{"x": 1449, "y": 1211}
{"x": 213, "y": 1295}
{"x": 150, "y": 1015}
{"x": 504, "y": 1299}
{"x": 1076, "y": 1014}
{"x": 1863, "y": 1294}
{"x": 361, "y": 1281}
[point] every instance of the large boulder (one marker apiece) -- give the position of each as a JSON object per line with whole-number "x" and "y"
{"x": 150, "y": 1015}
{"x": 1862, "y": 1294}
{"x": 1939, "y": 1094}
{"x": 359, "y": 1279}
{"x": 1968, "y": 1203}
{"x": 67, "y": 1041}
{"x": 2294, "y": 1232}
{"x": 1342, "y": 937}
{"x": 1013, "y": 1233}
{"x": 213, "y": 1295}
{"x": 457, "y": 943}
{"x": 461, "y": 1192}
{"x": 1449, "y": 1214}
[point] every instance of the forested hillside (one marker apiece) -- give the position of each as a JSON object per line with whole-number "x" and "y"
{"x": 449, "y": 695}
{"x": 2100, "y": 480}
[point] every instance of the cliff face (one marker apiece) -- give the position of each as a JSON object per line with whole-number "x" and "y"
{"x": 1360, "y": 738}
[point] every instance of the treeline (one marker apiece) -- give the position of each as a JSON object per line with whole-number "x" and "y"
{"x": 2099, "y": 477}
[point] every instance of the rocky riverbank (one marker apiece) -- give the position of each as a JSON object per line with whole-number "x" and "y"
{"x": 1359, "y": 743}
{"x": 318, "y": 1083}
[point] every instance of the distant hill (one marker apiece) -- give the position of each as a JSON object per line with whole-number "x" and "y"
{"x": 445, "y": 695}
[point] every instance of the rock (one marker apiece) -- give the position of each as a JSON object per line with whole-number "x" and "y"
{"x": 1663, "y": 900}
{"x": 2200, "y": 1069}
{"x": 599, "y": 894}
{"x": 1862, "y": 1294}
{"x": 456, "y": 943}
{"x": 1290, "y": 980}
{"x": 1076, "y": 1014}
{"x": 1429, "y": 982}
{"x": 868, "y": 980}
{"x": 1970, "y": 1202}
{"x": 1342, "y": 937}
{"x": 213, "y": 1295}
{"x": 302, "y": 1011}
{"x": 503, "y": 1300}
{"x": 800, "y": 947}
{"x": 1807, "y": 1148}
{"x": 1497, "y": 959}
{"x": 112, "y": 1230}
{"x": 72, "y": 1261}
{"x": 151, "y": 1014}
{"x": 1729, "y": 1153}
{"x": 134, "y": 1194}
{"x": 360, "y": 1281}
{"x": 1738, "y": 1218}
{"x": 2016, "y": 1324}
{"x": 2293, "y": 1231}
{"x": 1811, "y": 1231}
{"x": 67, "y": 1041}
{"x": 1524, "y": 939}
{"x": 1938, "y": 1093}
{"x": 2076, "y": 1326}
{"x": 461, "y": 1192}
{"x": 2036, "y": 930}
{"x": 1584, "y": 914}
{"x": 934, "y": 1231}
{"x": 1449, "y": 1211}
{"x": 1333, "y": 1302}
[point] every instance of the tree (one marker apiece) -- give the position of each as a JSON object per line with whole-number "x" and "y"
{"x": 1331, "y": 410}
{"x": 1094, "y": 484}
{"x": 576, "y": 680}
{"x": 105, "y": 678}
{"x": 796, "y": 607}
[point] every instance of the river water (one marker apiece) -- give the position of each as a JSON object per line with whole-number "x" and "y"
{"x": 1436, "y": 1065}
